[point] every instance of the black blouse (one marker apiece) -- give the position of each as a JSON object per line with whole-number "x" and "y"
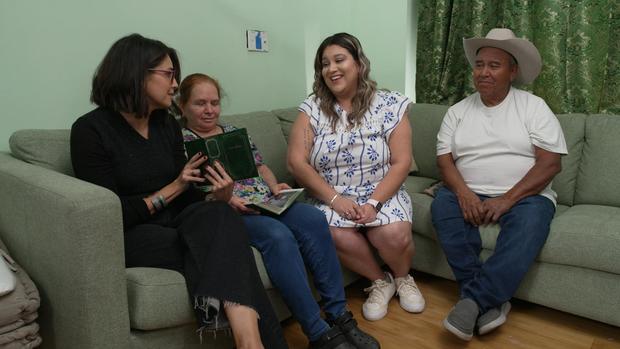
{"x": 107, "y": 151}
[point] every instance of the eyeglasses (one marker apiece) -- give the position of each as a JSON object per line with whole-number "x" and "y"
{"x": 167, "y": 73}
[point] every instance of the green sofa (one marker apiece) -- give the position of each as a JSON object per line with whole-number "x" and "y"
{"x": 68, "y": 235}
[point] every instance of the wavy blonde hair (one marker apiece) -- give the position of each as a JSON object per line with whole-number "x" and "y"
{"x": 366, "y": 87}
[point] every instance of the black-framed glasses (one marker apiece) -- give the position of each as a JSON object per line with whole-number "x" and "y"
{"x": 170, "y": 74}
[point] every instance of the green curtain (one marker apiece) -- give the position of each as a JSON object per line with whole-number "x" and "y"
{"x": 579, "y": 42}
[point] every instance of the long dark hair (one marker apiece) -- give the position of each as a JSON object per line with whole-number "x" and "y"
{"x": 118, "y": 83}
{"x": 366, "y": 87}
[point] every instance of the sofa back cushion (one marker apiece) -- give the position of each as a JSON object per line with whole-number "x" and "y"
{"x": 45, "y": 148}
{"x": 425, "y": 121}
{"x": 598, "y": 180}
{"x": 573, "y": 126}
{"x": 287, "y": 117}
{"x": 265, "y": 131}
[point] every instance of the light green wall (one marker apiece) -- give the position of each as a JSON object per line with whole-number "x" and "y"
{"x": 385, "y": 29}
{"x": 50, "y": 49}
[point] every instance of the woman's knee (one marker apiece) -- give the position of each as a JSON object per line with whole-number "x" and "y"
{"x": 394, "y": 237}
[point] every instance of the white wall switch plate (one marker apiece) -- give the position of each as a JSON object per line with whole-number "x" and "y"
{"x": 256, "y": 40}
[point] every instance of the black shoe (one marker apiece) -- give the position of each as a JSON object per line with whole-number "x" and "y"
{"x": 332, "y": 339}
{"x": 355, "y": 336}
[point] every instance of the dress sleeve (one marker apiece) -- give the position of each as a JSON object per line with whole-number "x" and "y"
{"x": 92, "y": 163}
{"x": 310, "y": 107}
{"x": 396, "y": 107}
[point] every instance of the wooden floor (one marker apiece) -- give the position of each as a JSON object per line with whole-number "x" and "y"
{"x": 528, "y": 326}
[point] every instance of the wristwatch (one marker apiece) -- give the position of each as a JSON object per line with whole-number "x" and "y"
{"x": 376, "y": 204}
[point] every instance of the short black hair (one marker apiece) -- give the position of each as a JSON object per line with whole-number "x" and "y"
{"x": 118, "y": 83}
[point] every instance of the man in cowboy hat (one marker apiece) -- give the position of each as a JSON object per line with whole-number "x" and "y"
{"x": 497, "y": 151}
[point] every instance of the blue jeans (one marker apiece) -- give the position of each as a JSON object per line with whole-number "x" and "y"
{"x": 524, "y": 230}
{"x": 289, "y": 242}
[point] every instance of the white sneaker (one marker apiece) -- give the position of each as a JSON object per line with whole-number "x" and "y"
{"x": 409, "y": 295}
{"x": 380, "y": 293}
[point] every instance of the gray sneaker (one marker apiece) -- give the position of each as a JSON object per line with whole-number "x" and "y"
{"x": 493, "y": 318}
{"x": 461, "y": 320}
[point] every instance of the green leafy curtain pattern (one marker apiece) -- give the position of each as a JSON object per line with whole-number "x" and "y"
{"x": 579, "y": 42}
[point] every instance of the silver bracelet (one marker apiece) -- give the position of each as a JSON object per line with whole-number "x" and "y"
{"x": 162, "y": 201}
{"x": 156, "y": 204}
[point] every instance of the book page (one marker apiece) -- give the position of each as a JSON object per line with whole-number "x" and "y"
{"x": 282, "y": 199}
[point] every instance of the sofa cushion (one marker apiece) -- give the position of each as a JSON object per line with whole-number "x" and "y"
{"x": 573, "y": 126}
{"x": 158, "y": 298}
{"x": 489, "y": 233}
{"x": 264, "y": 129}
{"x": 417, "y": 184}
{"x": 423, "y": 224}
{"x": 585, "y": 236}
{"x": 597, "y": 181}
{"x": 287, "y": 117}
{"x": 46, "y": 148}
{"x": 425, "y": 122}
{"x": 422, "y": 220}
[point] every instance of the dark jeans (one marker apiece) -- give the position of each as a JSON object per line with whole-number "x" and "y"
{"x": 299, "y": 237}
{"x": 524, "y": 230}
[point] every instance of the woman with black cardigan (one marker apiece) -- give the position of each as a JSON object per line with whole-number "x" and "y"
{"x": 130, "y": 145}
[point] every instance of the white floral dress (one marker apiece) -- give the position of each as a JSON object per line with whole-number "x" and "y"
{"x": 354, "y": 161}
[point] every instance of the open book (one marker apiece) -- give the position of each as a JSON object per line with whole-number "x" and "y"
{"x": 277, "y": 203}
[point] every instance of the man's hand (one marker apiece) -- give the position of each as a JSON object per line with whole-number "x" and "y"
{"x": 495, "y": 208}
{"x": 472, "y": 207}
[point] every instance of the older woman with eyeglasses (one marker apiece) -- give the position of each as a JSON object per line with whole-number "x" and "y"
{"x": 132, "y": 146}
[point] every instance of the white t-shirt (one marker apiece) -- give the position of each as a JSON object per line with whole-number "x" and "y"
{"x": 493, "y": 147}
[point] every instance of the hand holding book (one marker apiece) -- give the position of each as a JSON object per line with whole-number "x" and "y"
{"x": 231, "y": 149}
{"x": 241, "y": 205}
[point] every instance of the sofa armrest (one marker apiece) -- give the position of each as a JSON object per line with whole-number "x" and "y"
{"x": 67, "y": 234}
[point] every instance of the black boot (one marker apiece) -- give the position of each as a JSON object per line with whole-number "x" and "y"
{"x": 355, "y": 336}
{"x": 332, "y": 339}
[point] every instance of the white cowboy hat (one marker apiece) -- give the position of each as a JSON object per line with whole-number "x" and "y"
{"x": 524, "y": 52}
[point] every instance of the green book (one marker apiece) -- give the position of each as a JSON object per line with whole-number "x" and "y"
{"x": 232, "y": 149}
